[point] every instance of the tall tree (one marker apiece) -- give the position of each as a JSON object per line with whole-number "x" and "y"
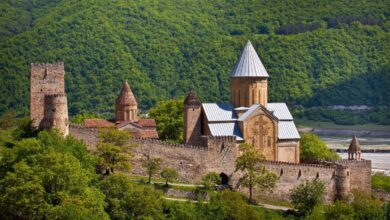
{"x": 152, "y": 165}
{"x": 307, "y": 195}
{"x": 313, "y": 149}
{"x": 169, "y": 174}
{"x": 169, "y": 118}
{"x": 254, "y": 171}
{"x": 113, "y": 150}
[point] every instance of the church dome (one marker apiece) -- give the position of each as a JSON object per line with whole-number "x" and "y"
{"x": 126, "y": 97}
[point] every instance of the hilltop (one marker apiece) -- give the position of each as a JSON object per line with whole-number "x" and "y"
{"x": 316, "y": 52}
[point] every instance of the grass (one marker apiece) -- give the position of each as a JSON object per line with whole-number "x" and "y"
{"x": 267, "y": 200}
{"x": 183, "y": 188}
{"x": 331, "y": 125}
{"x": 380, "y": 181}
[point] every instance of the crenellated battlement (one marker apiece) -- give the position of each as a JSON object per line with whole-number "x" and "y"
{"x": 53, "y": 95}
{"x": 167, "y": 144}
{"x": 362, "y": 161}
{"x": 326, "y": 166}
{"x": 82, "y": 128}
{"x": 222, "y": 138}
{"x": 44, "y": 65}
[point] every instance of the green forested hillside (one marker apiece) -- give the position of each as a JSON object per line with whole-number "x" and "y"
{"x": 317, "y": 52}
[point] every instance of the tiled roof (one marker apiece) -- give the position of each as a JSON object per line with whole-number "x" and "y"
{"x": 287, "y": 130}
{"x": 145, "y": 134}
{"x": 98, "y": 123}
{"x": 226, "y": 129}
{"x": 146, "y": 122}
{"x": 280, "y": 111}
{"x": 126, "y": 97}
{"x": 219, "y": 112}
{"x": 249, "y": 64}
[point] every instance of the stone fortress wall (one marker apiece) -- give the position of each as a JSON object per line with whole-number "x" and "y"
{"x": 193, "y": 162}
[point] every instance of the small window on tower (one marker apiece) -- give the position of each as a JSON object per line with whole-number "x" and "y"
{"x": 54, "y": 110}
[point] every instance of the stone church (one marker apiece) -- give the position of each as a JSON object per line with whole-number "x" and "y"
{"x": 248, "y": 117}
{"x": 212, "y": 132}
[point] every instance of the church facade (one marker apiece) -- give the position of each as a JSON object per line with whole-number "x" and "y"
{"x": 269, "y": 127}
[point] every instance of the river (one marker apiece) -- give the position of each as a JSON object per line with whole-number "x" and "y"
{"x": 379, "y": 161}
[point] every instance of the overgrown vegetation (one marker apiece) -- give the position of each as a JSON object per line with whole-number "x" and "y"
{"x": 168, "y": 48}
{"x": 381, "y": 181}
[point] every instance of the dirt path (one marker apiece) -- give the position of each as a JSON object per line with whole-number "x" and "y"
{"x": 267, "y": 206}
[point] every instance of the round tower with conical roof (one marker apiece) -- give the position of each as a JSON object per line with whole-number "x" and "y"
{"x": 354, "y": 150}
{"x": 126, "y": 105}
{"x": 249, "y": 80}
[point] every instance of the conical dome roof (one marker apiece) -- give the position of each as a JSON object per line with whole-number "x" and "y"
{"x": 126, "y": 97}
{"x": 354, "y": 146}
{"x": 192, "y": 99}
{"x": 249, "y": 64}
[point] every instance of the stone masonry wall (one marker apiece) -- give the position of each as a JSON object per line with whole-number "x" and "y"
{"x": 193, "y": 162}
{"x": 360, "y": 174}
{"x": 44, "y": 79}
{"x": 189, "y": 161}
{"x": 90, "y": 136}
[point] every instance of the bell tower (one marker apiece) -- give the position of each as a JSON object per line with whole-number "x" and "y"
{"x": 249, "y": 80}
{"x": 126, "y": 106}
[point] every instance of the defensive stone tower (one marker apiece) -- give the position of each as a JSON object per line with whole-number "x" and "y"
{"x": 192, "y": 120}
{"x": 126, "y": 105}
{"x": 249, "y": 80}
{"x": 354, "y": 150}
{"x": 45, "y": 79}
{"x": 56, "y": 113}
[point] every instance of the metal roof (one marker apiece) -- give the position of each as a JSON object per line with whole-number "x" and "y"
{"x": 251, "y": 109}
{"x": 280, "y": 110}
{"x": 219, "y": 112}
{"x": 226, "y": 129}
{"x": 249, "y": 64}
{"x": 287, "y": 130}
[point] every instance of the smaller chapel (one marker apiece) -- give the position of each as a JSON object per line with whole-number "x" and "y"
{"x": 126, "y": 117}
{"x": 248, "y": 117}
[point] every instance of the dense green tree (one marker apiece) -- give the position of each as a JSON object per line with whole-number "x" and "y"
{"x": 308, "y": 195}
{"x": 126, "y": 200}
{"x": 169, "y": 118}
{"x": 169, "y": 174}
{"x": 114, "y": 136}
{"x": 49, "y": 177}
{"x": 255, "y": 175}
{"x": 112, "y": 157}
{"x": 335, "y": 52}
{"x": 22, "y": 194}
{"x": 151, "y": 165}
{"x": 313, "y": 149}
{"x": 112, "y": 151}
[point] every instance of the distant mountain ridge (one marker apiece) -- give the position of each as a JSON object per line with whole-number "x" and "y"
{"x": 316, "y": 53}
